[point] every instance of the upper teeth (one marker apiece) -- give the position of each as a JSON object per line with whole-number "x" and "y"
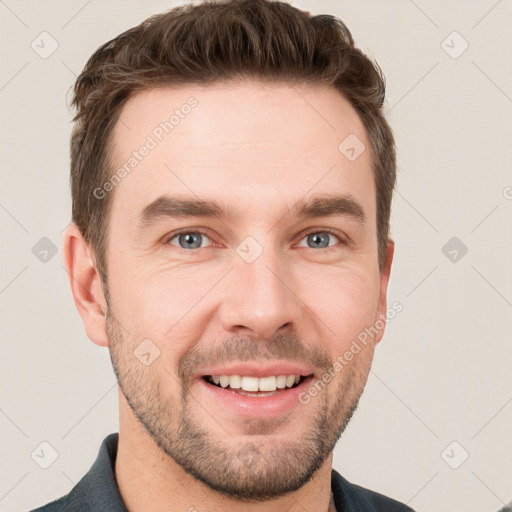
{"x": 256, "y": 384}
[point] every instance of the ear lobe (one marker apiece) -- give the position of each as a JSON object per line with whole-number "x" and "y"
{"x": 85, "y": 283}
{"x": 384, "y": 280}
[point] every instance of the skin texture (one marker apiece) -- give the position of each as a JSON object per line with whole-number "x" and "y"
{"x": 260, "y": 147}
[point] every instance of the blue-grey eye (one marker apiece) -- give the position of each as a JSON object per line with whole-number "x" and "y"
{"x": 319, "y": 240}
{"x": 190, "y": 240}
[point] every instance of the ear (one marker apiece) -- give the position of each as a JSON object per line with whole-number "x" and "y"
{"x": 384, "y": 280}
{"x": 86, "y": 284}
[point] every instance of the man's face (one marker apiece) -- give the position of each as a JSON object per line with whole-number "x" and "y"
{"x": 257, "y": 291}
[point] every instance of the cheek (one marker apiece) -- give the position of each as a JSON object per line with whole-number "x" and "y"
{"x": 344, "y": 304}
{"x": 159, "y": 303}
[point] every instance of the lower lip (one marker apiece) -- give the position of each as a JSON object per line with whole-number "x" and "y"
{"x": 255, "y": 406}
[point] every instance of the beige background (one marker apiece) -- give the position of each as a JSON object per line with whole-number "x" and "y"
{"x": 442, "y": 372}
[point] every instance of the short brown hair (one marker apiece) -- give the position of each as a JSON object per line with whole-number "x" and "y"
{"x": 208, "y": 42}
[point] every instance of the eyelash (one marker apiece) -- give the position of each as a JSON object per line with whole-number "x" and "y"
{"x": 312, "y": 232}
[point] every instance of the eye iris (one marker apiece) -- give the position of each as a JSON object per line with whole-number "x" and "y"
{"x": 318, "y": 238}
{"x": 189, "y": 239}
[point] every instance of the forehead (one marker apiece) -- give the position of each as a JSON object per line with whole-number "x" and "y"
{"x": 258, "y": 144}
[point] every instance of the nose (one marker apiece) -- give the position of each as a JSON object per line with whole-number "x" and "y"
{"x": 259, "y": 298}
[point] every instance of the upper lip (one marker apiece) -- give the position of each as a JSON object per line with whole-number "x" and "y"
{"x": 258, "y": 369}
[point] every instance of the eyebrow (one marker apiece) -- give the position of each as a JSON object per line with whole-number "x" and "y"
{"x": 182, "y": 207}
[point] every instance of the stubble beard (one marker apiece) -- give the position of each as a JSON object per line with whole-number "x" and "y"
{"x": 252, "y": 467}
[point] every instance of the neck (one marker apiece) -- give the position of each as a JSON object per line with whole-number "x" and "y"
{"x": 151, "y": 481}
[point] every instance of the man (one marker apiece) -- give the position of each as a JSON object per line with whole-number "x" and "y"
{"x": 232, "y": 176}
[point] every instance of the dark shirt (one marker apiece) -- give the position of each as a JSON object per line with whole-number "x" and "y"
{"x": 97, "y": 491}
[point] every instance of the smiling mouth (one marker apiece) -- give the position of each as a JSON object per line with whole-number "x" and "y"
{"x": 254, "y": 386}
